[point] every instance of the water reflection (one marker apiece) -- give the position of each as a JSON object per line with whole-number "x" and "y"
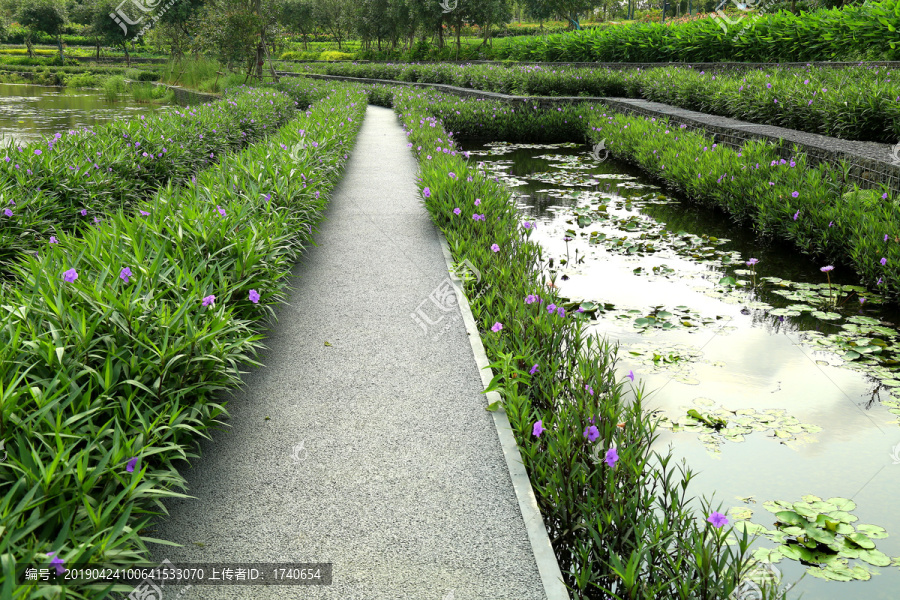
{"x": 29, "y": 112}
{"x": 738, "y": 352}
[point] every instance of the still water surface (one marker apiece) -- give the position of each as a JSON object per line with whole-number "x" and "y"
{"x": 801, "y": 419}
{"x": 30, "y": 112}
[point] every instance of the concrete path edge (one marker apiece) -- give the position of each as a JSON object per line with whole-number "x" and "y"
{"x": 544, "y": 556}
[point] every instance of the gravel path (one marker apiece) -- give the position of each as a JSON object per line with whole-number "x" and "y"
{"x": 378, "y": 455}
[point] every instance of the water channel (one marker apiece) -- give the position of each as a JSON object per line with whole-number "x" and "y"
{"x": 801, "y": 372}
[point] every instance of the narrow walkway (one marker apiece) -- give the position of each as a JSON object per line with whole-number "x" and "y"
{"x": 378, "y": 455}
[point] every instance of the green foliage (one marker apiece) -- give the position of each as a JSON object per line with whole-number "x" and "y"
{"x": 113, "y": 86}
{"x": 132, "y": 368}
{"x": 135, "y": 158}
{"x": 86, "y": 80}
{"x": 785, "y": 198}
{"x": 857, "y": 103}
{"x": 835, "y": 34}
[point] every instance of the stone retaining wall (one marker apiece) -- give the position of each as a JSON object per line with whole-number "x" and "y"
{"x": 869, "y": 163}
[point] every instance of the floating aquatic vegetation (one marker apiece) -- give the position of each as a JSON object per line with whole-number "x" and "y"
{"x": 672, "y": 359}
{"x": 739, "y": 423}
{"x": 821, "y": 535}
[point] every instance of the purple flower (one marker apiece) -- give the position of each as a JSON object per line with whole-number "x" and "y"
{"x": 497, "y": 327}
{"x": 124, "y": 274}
{"x": 538, "y": 429}
{"x": 551, "y": 308}
{"x": 526, "y": 225}
{"x": 209, "y": 300}
{"x": 426, "y": 192}
{"x": 717, "y": 519}
{"x": 530, "y": 298}
{"x": 795, "y": 194}
{"x": 456, "y": 211}
{"x": 254, "y": 296}
{"x": 631, "y": 375}
{"x": 590, "y": 391}
{"x": 591, "y": 433}
{"x": 452, "y": 175}
{"x": 8, "y": 212}
{"x": 826, "y": 269}
{"x": 862, "y": 300}
{"x": 752, "y": 262}
{"x": 533, "y": 370}
{"x": 611, "y": 457}
{"x": 477, "y": 201}
{"x": 495, "y": 248}
{"x": 797, "y": 214}
{"x": 83, "y": 212}
{"x": 57, "y": 562}
{"x": 70, "y": 275}
{"x": 221, "y": 210}
{"x": 831, "y": 224}
{"x": 885, "y": 237}
{"x": 38, "y": 152}
{"x": 883, "y": 262}
{"x": 144, "y": 213}
{"x": 561, "y": 311}
{"x": 53, "y": 239}
{"x": 131, "y": 464}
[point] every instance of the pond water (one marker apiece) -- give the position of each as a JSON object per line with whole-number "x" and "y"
{"x": 801, "y": 371}
{"x": 30, "y": 112}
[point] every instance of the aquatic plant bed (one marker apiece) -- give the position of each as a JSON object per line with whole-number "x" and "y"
{"x": 852, "y": 103}
{"x": 114, "y": 344}
{"x": 606, "y": 502}
{"x": 810, "y": 206}
{"x": 77, "y": 178}
{"x": 753, "y": 183}
{"x": 768, "y": 372}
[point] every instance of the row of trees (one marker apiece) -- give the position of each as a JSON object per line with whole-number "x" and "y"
{"x": 244, "y": 32}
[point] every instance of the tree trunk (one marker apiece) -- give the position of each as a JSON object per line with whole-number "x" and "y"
{"x": 127, "y": 56}
{"x": 29, "y": 46}
{"x": 59, "y": 44}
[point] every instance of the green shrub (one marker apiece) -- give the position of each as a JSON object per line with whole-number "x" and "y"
{"x": 113, "y": 86}
{"x": 85, "y": 80}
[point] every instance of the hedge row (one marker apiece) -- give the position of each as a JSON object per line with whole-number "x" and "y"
{"x": 856, "y": 103}
{"x": 859, "y": 32}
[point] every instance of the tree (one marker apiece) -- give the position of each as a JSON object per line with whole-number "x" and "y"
{"x": 570, "y": 10}
{"x": 297, "y": 16}
{"x": 47, "y": 16}
{"x": 335, "y": 16}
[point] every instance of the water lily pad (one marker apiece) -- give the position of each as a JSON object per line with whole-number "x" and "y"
{"x": 844, "y": 504}
{"x": 872, "y": 531}
{"x": 861, "y": 540}
{"x": 843, "y": 516}
{"x": 790, "y": 517}
{"x": 875, "y": 557}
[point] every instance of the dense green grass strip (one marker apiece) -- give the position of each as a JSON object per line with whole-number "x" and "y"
{"x": 861, "y": 32}
{"x": 811, "y": 206}
{"x": 623, "y": 530}
{"x": 107, "y": 379}
{"x": 79, "y": 177}
{"x": 855, "y": 103}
